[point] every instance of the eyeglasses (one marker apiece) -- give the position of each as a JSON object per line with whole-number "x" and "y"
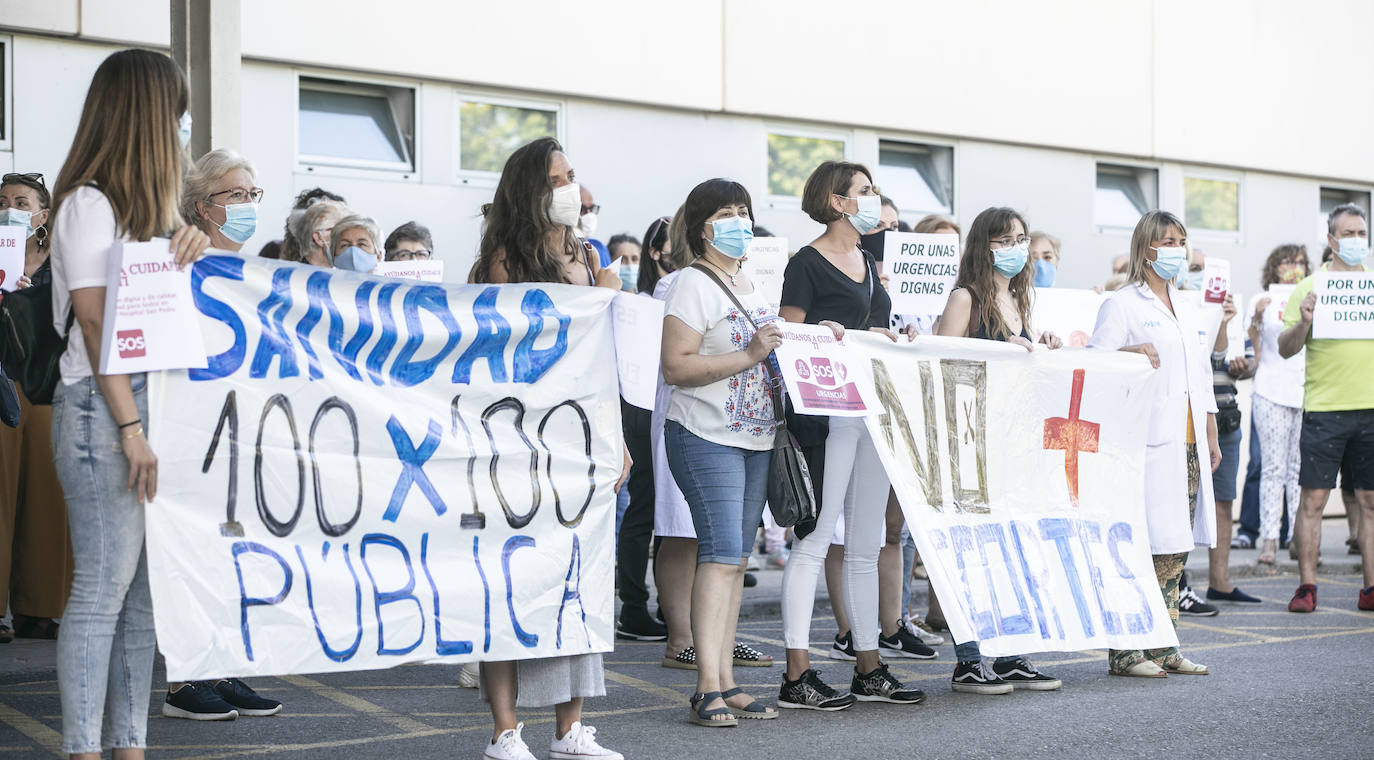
{"x": 595, "y": 208}
{"x": 17, "y": 177}
{"x": 1009, "y": 241}
{"x": 420, "y": 255}
{"x": 239, "y": 195}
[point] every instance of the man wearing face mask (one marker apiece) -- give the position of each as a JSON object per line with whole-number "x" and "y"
{"x": 221, "y": 199}
{"x": 1197, "y": 268}
{"x": 587, "y": 223}
{"x": 1338, "y": 410}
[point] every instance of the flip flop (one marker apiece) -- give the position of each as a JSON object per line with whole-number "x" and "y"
{"x": 755, "y": 710}
{"x": 703, "y": 717}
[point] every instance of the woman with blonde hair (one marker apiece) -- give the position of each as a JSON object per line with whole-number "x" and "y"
{"x": 1147, "y": 317}
{"x": 221, "y": 198}
{"x": 121, "y": 181}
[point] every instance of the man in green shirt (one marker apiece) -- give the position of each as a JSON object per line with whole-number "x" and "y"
{"x": 1338, "y": 411}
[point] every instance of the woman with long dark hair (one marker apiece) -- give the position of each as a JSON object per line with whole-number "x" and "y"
{"x": 528, "y": 236}
{"x": 992, "y": 300}
{"x": 121, "y": 181}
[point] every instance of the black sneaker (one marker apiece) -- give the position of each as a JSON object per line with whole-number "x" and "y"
{"x": 1023, "y": 675}
{"x": 636, "y": 624}
{"x": 197, "y": 700}
{"x": 882, "y": 686}
{"x": 904, "y": 644}
{"x": 1190, "y": 603}
{"x": 972, "y": 678}
{"x": 811, "y": 693}
{"x": 245, "y": 700}
{"x": 843, "y": 648}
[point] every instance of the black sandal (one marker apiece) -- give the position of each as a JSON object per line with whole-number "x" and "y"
{"x": 755, "y": 710}
{"x": 703, "y": 717}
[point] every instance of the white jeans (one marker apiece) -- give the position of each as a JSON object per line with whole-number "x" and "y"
{"x": 856, "y": 486}
{"x": 1279, "y": 428}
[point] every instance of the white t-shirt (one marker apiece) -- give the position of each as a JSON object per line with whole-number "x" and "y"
{"x": 737, "y": 410}
{"x": 1278, "y": 379}
{"x": 83, "y": 233}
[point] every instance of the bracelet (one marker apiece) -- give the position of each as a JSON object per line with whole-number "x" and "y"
{"x": 135, "y": 434}
{"x": 129, "y": 424}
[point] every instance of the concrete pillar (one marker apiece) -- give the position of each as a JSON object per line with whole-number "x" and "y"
{"x": 206, "y": 45}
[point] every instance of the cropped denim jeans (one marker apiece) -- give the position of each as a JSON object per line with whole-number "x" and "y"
{"x": 725, "y": 487}
{"x": 105, "y": 647}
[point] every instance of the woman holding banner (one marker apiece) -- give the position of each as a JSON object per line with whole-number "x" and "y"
{"x": 1146, "y": 317}
{"x": 833, "y": 280}
{"x": 992, "y": 300}
{"x": 527, "y": 236}
{"x": 121, "y": 181}
{"x": 719, "y": 429}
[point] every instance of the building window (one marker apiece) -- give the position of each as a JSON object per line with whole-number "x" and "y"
{"x": 1211, "y": 204}
{"x": 488, "y": 132}
{"x": 358, "y": 125}
{"x": 919, "y": 178}
{"x": 6, "y": 107}
{"x": 792, "y": 158}
{"x": 1124, "y": 194}
{"x": 1331, "y": 197}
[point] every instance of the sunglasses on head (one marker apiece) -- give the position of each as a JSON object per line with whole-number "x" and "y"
{"x": 18, "y": 177}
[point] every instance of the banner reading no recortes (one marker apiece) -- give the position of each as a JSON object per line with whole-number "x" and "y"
{"x": 370, "y": 472}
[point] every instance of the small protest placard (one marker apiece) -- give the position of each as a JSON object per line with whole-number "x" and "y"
{"x": 921, "y": 270}
{"x": 1345, "y": 306}
{"x": 11, "y": 256}
{"x": 1069, "y": 313}
{"x": 764, "y": 263}
{"x": 428, "y": 271}
{"x": 151, "y": 321}
{"x": 637, "y": 322}
{"x": 1216, "y": 280}
{"x": 824, "y": 376}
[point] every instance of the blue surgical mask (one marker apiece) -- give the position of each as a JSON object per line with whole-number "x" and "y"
{"x": 629, "y": 277}
{"x": 732, "y": 235}
{"x": 1169, "y": 261}
{"x": 17, "y": 218}
{"x": 1010, "y": 261}
{"x": 1353, "y": 250}
{"x": 1045, "y": 271}
{"x": 355, "y": 259}
{"x": 1191, "y": 280}
{"x": 868, "y": 214}
{"x": 184, "y": 129}
{"x": 240, "y": 221}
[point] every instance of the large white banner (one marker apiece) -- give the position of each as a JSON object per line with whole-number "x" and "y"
{"x": 374, "y": 471}
{"x": 1021, "y": 475}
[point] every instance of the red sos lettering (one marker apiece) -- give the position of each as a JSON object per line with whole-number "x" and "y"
{"x": 130, "y": 344}
{"x": 825, "y": 374}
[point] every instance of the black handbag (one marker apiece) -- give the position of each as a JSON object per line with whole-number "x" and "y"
{"x": 9, "y": 401}
{"x": 30, "y": 346}
{"x": 791, "y": 498}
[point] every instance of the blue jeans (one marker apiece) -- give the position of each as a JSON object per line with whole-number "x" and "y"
{"x": 105, "y": 647}
{"x": 968, "y": 652}
{"x": 725, "y": 487}
{"x": 1224, "y": 478}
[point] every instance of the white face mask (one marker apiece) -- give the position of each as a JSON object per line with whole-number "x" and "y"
{"x": 587, "y": 223}
{"x": 565, "y": 205}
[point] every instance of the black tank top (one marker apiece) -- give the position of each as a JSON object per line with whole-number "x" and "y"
{"x": 976, "y": 328}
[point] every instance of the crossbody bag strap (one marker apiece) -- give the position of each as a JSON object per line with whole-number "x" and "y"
{"x": 773, "y": 382}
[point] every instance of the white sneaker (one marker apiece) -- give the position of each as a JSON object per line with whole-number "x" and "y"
{"x": 509, "y": 746}
{"x": 469, "y": 676}
{"x": 580, "y": 743}
{"x": 929, "y": 638}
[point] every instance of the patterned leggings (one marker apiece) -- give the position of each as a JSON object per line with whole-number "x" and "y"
{"x": 1279, "y": 428}
{"x": 1169, "y": 573}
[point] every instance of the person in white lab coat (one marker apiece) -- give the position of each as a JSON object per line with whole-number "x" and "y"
{"x": 1144, "y": 316}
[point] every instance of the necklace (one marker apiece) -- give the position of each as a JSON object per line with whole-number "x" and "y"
{"x": 722, "y": 271}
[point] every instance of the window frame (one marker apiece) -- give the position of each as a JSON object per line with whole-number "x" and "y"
{"x": 1099, "y": 161}
{"x": 480, "y": 178}
{"x": 842, "y": 136}
{"x": 356, "y": 167}
{"x": 1215, "y": 175}
{"x": 7, "y": 84}
{"x": 916, "y": 213}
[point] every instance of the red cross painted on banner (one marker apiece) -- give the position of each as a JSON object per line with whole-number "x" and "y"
{"x": 1072, "y": 435}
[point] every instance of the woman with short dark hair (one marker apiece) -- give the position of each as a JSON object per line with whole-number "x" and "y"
{"x": 409, "y": 242}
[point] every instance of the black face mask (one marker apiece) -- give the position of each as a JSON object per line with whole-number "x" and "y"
{"x": 873, "y": 243}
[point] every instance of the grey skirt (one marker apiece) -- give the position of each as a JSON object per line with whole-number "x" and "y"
{"x": 554, "y": 680}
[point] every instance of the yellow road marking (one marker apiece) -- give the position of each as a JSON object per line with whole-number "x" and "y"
{"x": 45, "y": 737}
{"x": 675, "y": 697}
{"x": 357, "y": 704}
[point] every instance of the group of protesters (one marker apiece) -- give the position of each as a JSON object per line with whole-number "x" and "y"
{"x": 698, "y": 463}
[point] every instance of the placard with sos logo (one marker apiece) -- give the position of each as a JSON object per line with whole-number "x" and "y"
{"x": 150, "y": 317}
{"x": 823, "y": 376}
